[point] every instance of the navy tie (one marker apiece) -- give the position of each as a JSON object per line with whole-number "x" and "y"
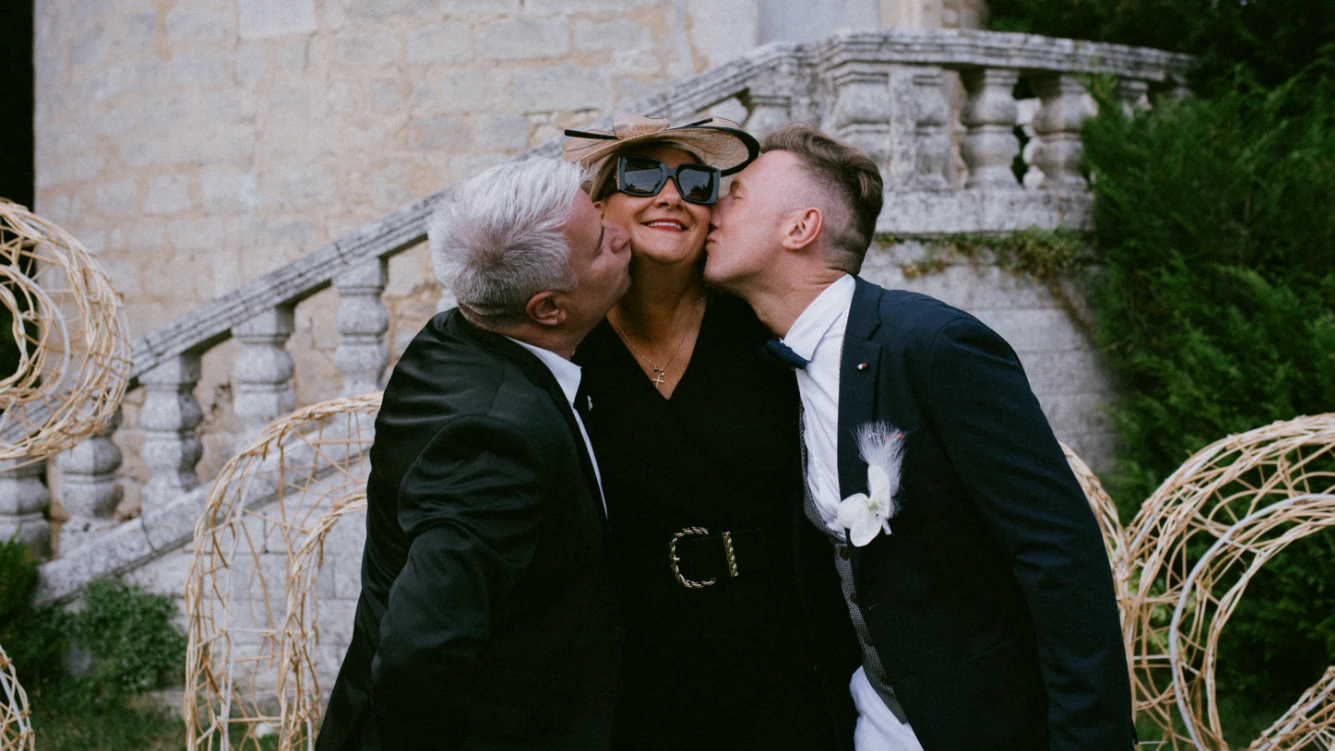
{"x": 784, "y": 354}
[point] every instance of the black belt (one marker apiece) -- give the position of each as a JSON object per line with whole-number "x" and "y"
{"x": 699, "y": 559}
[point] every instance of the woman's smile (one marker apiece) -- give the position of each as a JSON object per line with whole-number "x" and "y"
{"x": 670, "y": 225}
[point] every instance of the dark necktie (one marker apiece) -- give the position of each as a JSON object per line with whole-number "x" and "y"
{"x": 784, "y": 354}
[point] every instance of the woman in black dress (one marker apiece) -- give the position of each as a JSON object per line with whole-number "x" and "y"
{"x": 696, "y": 437}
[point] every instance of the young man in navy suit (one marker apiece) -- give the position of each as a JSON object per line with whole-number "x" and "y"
{"x": 958, "y": 580}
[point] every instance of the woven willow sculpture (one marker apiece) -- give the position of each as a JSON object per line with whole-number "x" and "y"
{"x": 64, "y": 324}
{"x": 1218, "y": 494}
{"x": 1114, "y": 537}
{"x": 1201, "y": 612}
{"x": 15, "y": 731}
{"x": 299, "y": 691}
{"x": 249, "y": 599}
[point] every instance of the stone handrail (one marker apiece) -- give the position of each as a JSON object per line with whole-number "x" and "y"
{"x": 406, "y": 227}
{"x": 947, "y": 159}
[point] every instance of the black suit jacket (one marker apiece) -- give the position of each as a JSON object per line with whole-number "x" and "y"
{"x": 991, "y": 603}
{"x": 487, "y": 615}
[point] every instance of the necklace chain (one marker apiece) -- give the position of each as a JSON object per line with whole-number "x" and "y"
{"x": 660, "y": 371}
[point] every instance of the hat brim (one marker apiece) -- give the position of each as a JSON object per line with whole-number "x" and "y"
{"x": 729, "y": 149}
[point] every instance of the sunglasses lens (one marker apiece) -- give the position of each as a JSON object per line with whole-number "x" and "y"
{"x": 641, "y": 177}
{"x": 697, "y": 184}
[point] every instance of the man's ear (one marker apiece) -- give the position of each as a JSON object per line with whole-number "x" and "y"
{"x": 802, "y": 227}
{"x": 543, "y": 309}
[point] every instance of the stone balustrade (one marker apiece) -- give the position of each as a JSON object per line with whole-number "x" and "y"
{"x": 936, "y": 109}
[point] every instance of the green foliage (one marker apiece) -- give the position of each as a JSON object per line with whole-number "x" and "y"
{"x": 1045, "y": 255}
{"x": 130, "y": 639}
{"x": 18, "y": 573}
{"x": 31, "y": 637}
{"x": 1271, "y": 40}
{"x": 64, "y": 721}
{"x": 132, "y": 648}
{"x": 1214, "y": 224}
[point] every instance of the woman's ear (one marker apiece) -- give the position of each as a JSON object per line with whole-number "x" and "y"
{"x": 543, "y": 309}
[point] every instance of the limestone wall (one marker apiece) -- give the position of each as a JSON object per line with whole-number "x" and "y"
{"x": 195, "y": 144}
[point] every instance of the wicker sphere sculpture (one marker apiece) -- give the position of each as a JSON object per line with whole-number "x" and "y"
{"x": 15, "y": 731}
{"x": 250, "y": 598}
{"x": 299, "y": 694}
{"x": 1201, "y": 613}
{"x": 1114, "y": 539}
{"x": 64, "y": 324}
{"x": 1203, "y": 502}
{"x": 1114, "y": 536}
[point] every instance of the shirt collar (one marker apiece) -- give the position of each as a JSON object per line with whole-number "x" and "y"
{"x": 567, "y": 373}
{"x": 823, "y": 312}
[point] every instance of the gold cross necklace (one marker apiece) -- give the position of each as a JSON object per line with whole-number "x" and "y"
{"x": 660, "y": 371}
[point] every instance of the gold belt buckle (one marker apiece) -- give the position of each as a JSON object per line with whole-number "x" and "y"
{"x": 676, "y": 562}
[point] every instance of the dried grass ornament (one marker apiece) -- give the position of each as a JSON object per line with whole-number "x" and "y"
{"x": 1114, "y": 536}
{"x": 1240, "y": 500}
{"x": 250, "y": 599}
{"x": 15, "y": 729}
{"x": 64, "y": 324}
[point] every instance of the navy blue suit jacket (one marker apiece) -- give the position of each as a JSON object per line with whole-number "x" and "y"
{"x": 991, "y": 603}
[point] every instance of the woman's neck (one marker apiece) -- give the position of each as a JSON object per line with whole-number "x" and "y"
{"x": 661, "y": 303}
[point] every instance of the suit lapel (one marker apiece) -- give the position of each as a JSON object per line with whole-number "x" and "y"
{"x": 542, "y": 377}
{"x": 858, "y": 370}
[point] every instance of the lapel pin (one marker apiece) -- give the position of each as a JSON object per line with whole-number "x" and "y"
{"x": 862, "y": 366}
{"x": 589, "y": 401}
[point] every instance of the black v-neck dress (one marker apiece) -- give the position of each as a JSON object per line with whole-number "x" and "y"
{"x": 726, "y": 666}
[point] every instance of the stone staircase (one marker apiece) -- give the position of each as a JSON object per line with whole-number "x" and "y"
{"x": 936, "y": 109}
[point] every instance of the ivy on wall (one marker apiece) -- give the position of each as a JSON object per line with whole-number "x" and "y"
{"x": 1050, "y": 257}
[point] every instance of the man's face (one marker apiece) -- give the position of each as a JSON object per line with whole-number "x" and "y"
{"x": 600, "y": 260}
{"x": 747, "y": 226}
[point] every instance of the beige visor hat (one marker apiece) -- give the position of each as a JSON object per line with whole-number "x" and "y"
{"x": 718, "y": 142}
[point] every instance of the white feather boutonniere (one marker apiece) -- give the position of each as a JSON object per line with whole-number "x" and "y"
{"x": 866, "y": 514}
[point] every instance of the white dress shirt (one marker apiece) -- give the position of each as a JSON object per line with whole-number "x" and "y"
{"x": 568, "y": 376}
{"x": 818, "y": 337}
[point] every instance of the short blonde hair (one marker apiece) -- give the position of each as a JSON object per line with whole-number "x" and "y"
{"x": 848, "y": 175}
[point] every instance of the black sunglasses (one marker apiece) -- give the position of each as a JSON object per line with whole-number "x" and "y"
{"x": 645, "y": 176}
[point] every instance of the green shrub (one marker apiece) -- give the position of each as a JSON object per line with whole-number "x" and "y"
{"x": 1271, "y": 40}
{"x": 33, "y": 638}
{"x": 130, "y": 639}
{"x": 18, "y": 573}
{"x": 1215, "y": 221}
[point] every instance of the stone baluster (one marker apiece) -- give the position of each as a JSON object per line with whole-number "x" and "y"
{"x": 990, "y": 145}
{"x": 362, "y": 321}
{"x": 931, "y": 136}
{"x": 23, "y": 502}
{"x": 169, "y": 419}
{"x": 263, "y": 370}
{"x": 1062, "y": 112}
{"x": 861, "y": 114}
{"x": 1134, "y": 95}
{"x": 769, "y": 99}
{"x": 766, "y": 111}
{"x": 89, "y": 488}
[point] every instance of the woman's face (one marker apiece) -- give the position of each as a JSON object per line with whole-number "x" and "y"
{"x": 662, "y": 228}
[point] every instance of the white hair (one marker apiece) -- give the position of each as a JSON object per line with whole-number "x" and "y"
{"x": 498, "y": 238}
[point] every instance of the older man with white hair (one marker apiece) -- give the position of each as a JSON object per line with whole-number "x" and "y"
{"x": 487, "y": 616}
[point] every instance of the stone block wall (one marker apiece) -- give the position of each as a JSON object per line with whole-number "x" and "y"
{"x": 1063, "y": 364}
{"x": 195, "y": 144}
